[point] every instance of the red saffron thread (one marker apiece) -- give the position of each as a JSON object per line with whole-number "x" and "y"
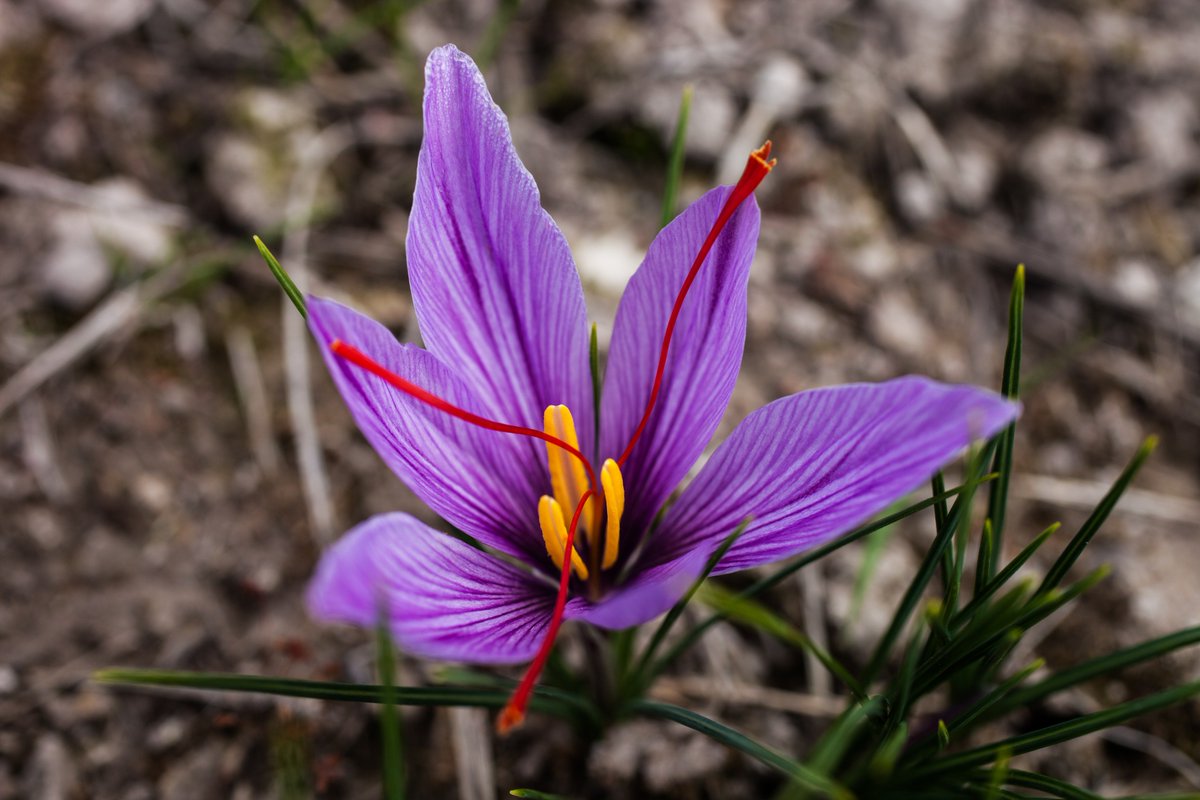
{"x": 362, "y": 360}
{"x": 514, "y": 713}
{"x": 757, "y": 168}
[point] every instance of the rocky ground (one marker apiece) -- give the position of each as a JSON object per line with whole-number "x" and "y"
{"x": 172, "y": 459}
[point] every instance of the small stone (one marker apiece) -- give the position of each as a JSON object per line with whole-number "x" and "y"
{"x": 76, "y": 271}
{"x": 50, "y": 774}
{"x": 919, "y": 197}
{"x": 1136, "y": 281}
{"x": 152, "y": 491}
{"x": 167, "y": 734}
{"x": 98, "y": 20}
{"x": 9, "y": 680}
{"x": 120, "y": 225}
{"x": 1165, "y": 126}
{"x": 897, "y": 324}
{"x": 608, "y": 260}
{"x": 1060, "y": 154}
{"x": 196, "y": 774}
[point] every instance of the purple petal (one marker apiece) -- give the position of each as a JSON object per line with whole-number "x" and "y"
{"x": 483, "y": 482}
{"x": 812, "y": 466}
{"x": 648, "y": 594}
{"x": 705, "y": 354}
{"x": 444, "y": 598}
{"x": 494, "y": 287}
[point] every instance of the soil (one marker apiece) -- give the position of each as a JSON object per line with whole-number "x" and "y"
{"x": 154, "y": 509}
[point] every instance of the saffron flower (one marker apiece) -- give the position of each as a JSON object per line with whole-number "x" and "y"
{"x": 493, "y": 423}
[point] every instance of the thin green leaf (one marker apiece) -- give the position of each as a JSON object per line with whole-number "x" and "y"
{"x": 641, "y": 672}
{"x": 940, "y": 512}
{"x": 785, "y": 572}
{"x": 393, "y": 741}
{"x": 1062, "y": 732}
{"x": 912, "y": 596}
{"x": 999, "y": 773}
{"x": 967, "y": 718}
{"x": 984, "y": 560}
{"x": 872, "y": 555}
{"x": 534, "y": 794}
{"x": 1097, "y": 667}
{"x": 285, "y": 280}
{"x": 841, "y": 736}
{"x": 943, "y": 735}
{"x": 1010, "y": 387}
{"x": 964, "y": 720}
{"x": 1058, "y": 571}
{"x": 901, "y": 692}
{"x": 1000, "y": 634}
{"x": 594, "y": 367}
{"x": 756, "y": 615}
{"x": 675, "y": 165}
{"x": 799, "y": 774}
{"x": 545, "y": 700}
{"x": 1044, "y": 783}
{"x": 997, "y": 583}
{"x": 883, "y": 762}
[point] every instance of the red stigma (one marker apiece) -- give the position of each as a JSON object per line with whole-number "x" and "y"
{"x": 360, "y": 359}
{"x": 514, "y": 713}
{"x": 757, "y": 168}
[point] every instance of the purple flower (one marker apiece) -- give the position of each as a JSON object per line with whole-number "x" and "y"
{"x": 501, "y": 311}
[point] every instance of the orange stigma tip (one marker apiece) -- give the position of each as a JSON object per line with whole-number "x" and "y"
{"x": 762, "y": 154}
{"x": 511, "y": 717}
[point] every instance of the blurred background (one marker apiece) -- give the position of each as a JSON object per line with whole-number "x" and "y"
{"x": 173, "y": 458}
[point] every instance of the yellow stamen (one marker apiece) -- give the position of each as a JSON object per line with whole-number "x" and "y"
{"x": 614, "y": 500}
{"x": 554, "y": 533}
{"x": 568, "y": 480}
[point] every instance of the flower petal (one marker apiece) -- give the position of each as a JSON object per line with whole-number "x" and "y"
{"x": 443, "y": 598}
{"x": 483, "y": 482}
{"x": 812, "y": 466}
{"x": 494, "y": 287}
{"x": 650, "y": 593}
{"x": 703, "y": 362}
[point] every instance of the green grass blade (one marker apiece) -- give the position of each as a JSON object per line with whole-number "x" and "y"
{"x": 393, "y": 741}
{"x": 980, "y": 599}
{"x": 534, "y": 794}
{"x": 872, "y": 555}
{"x": 842, "y": 734}
{"x": 1062, "y": 732}
{"x": 967, "y": 718}
{"x": 545, "y": 699}
{"x": 785, "y": 572}
{"x": 1097, "y": 667}
{"x": 1010, "y": 387}
{"x": 643, "y": 672}
{"x": 901, "y": 691}
{"x": 748, "y": 612}
{"x": 1000, "y": 634}
{"x": 883, "y": 761}
{"x": 1051, "y": 786}
{"x": 798, "y": 773}
{"x": 963, "y": 721}
{"x": 597, "y": 384}
{"x": 675, "y": 165}
{"x": 285, "y": 280}
{"x": 912, "y": 596}
{"x": 1058, "y": 571}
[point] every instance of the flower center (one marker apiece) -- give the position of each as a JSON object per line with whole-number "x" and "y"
{"x": 569, "y": 482}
